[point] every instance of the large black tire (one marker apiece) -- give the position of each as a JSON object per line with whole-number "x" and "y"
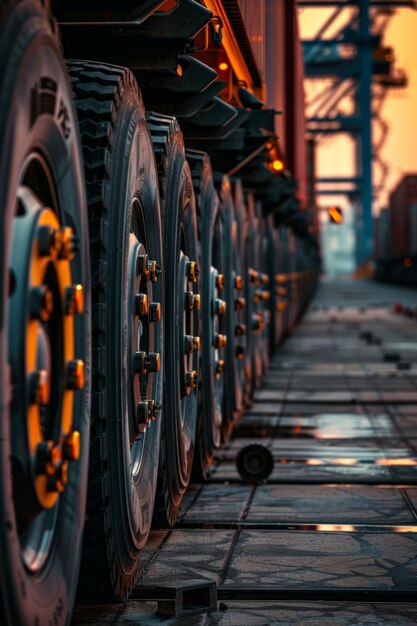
{"x": 127, "y": 287}
{"x": 182, "y": 316}
{"x": 210, "y": 421}
{"x": 41, "y": 192}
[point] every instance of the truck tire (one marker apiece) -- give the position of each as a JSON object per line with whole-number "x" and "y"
{"x": 210, "y": 422}
{"x": 45, "y": 325}
{"x": 182, "y": 316}
{"x": 127, "y": 292}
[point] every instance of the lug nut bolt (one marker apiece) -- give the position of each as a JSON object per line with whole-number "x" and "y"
{"x": 281, "y": 306}
{"x": 261, "y": 296}
{"x": 281, "y": 279}
{"x": 220, "y": 341}
{"x": 154, "y": 312}
{"x": 75, "y": 374}
{"x": 191, "y": 301}
{"x": 74, "y": 300}
{"x": 193, "y": 271}
{"x": 238, "y": 282}
{"x": 240, "y": 304}
{"x": 141, "y": 304}
{"x": 191, "y": 379}
{"x": 142, "y": 262}
{"x": 143, "y": 416}
{"x": 239, "y": 352}
{"x": 48, "y": 457}
{"x": 139, "y": 366}
{"x": 46, "y": 240}
{"x": 41, "y": 303}
{"x": 58, "y": 480}
{"x": 253, "y": 276}
{"x": 39, "y": 388}
{"x": 71, "y": 447}
{"x": 188, "y": 344}
{"x": 152, "y": 271}
{"x": 66, "y": 243}
{"x": 257, "y": 322}
{"x": 144, "y": 363}
{"x": 191, "y": 343}
{"x": 219, "y": 306}
{"x": 220, "y": 281}
{"x": 220, "y": 366}
{"x": 240, "y": 329}
{"x": 153, "y": 362}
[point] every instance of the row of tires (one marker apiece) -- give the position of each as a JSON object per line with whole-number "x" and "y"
{"x": 140, "y": 298}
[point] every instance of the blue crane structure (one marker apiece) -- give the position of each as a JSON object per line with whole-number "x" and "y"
{"x": 359, "y": 68}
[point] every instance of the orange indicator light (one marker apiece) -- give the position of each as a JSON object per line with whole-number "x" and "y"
{"x": 277, "y": 165}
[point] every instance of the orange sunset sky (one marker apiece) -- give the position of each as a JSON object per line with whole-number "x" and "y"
{"x": 399, "y": 110}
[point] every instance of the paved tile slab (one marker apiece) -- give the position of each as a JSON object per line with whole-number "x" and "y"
{"x": 314, "y": 614}
{"x": 218, "y": 503}
{"x": 323, "y": 560}
{"x": 317, "y": 504}
{"x": 190, "y": 554}
{"x": 333, "y": 473}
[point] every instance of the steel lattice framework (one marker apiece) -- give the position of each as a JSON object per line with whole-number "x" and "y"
{"x": 359, "y": 69}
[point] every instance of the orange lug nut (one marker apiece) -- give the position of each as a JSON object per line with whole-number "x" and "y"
{"x": 239, "y": 352}
{"x": 240, "y": 304}
{"x": 152, "y": 271}
{"x": 66, "y": 243}
{"x": 41, "y": 303}
{"x": 74, "y": 300}
{"x": 239, "y": 282}
{"x": 220, "y": 366}
{"x": 220, "y": 341}
{"x": 75, "y": 374}
{"x": 141, "y": 304}
{"x": 193, "y": 271}
{"x": 191, "y": 379}
{"x": 39, "y": 388}
{"x": 220, "y": 281}
{"x": 219, "y": 306}
{"x": 71, "y": 447}
{"x": 142, "y": 265}
{"x": 281, "y": 279}
{"x": 240, "y": 329}
{"x": 154, "y": 312}
{"x": 281, "y": 306}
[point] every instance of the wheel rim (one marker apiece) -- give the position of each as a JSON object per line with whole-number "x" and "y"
{"x": 189, "y": 339}
{"x": 45, "y": 371}
{"x": 217, "y": 341}
{"x": 143, "y": 346}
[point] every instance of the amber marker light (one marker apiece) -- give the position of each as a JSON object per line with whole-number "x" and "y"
{"x": 223, "y": 66}
{"x": 336, "y": 215}
{"x": 277, "y": 165}
{"x": 401, "y": 461}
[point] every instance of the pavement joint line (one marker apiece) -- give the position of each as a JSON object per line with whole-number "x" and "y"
{"x": 299, "y": 594}
{"x": 313, "y": 527}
